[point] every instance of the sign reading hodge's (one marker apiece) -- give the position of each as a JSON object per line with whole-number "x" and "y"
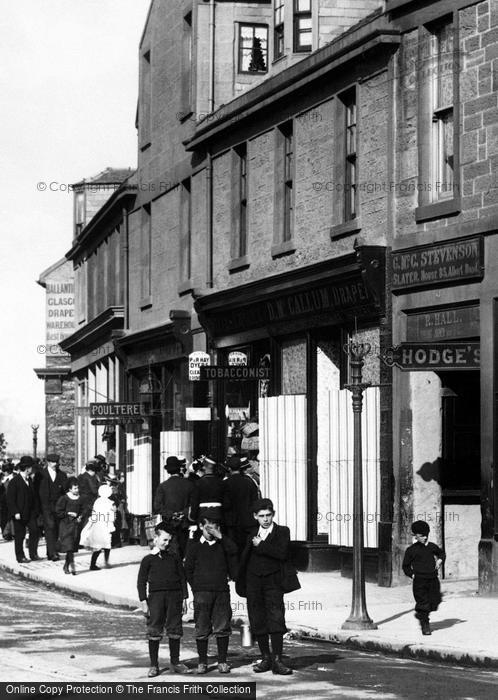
{"x": 433, "y": 356}
{"x": 235, "y": 373}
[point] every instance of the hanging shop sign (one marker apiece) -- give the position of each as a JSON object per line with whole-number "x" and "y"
{"x": 116, "y": 413}
{"x": 443, "y": 324}
{"x": 237, "y": 413}
{"x": 237, "y": 358}
{"x": 196, "y": 360}
{"x": 234, "y": 373}
{"x": 438, "y": 264}
{"x": 195, "y": 413}
{"x": 433, "y": 356}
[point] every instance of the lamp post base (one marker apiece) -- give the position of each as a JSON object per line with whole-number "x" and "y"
{"x": 359, "y": 623}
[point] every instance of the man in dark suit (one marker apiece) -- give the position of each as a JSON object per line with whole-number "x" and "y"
{"x": 52, "y": 487}
{"x": 260, "y": 580}
{"x": 239, "y": 494}
{"x": 173, "y": 500}
{"x": 23, "y": 508}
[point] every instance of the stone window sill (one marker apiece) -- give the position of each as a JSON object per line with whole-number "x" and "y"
{"x": 185, "y": 287}
{"x": 237, "y": 264}
{"x": 438, "y": 210}
{"x": 283, "y": 248}
{"x": 345, "y": 229}
{"x": 145, "y": 303}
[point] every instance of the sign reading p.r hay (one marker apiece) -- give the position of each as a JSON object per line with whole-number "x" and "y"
{"x": 438, "y": 264}
{"x": 433, "y": 357}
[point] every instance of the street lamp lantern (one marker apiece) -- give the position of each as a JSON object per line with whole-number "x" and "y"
{"x": 34, "y": 428}
{"x": 358, "y": 618}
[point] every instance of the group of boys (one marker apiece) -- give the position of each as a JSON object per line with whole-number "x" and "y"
{"x": 211, "y": 560}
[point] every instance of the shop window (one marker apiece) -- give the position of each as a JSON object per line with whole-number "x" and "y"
{"x": 293, "y": 366}
{"x": 302, "y": 25}
{"x": 278, "y": 29}
{"x": 253, "y": 48}
{"x": 438, "y": 140}
{"x": 79, "y": 213}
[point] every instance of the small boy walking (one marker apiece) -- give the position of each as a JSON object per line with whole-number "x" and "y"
{"x": 162, "y": 590}
{"x": 209, "y": 563}
{"x": 421, "y": 563}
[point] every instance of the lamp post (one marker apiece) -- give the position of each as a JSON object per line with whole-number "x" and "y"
{"x": 358, "y": 617}
{"x": 34, "y": 428}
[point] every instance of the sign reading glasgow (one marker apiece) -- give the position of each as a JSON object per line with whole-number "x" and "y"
{"x": 433, "y": 356}
{"x": 441, "y": 263}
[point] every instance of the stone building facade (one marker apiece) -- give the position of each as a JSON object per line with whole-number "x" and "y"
{"x": 310, "y": 173}
{"x": 58, "y": 283}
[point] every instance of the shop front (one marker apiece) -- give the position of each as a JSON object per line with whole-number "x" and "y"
{"x": 294, "y": 417}
{"x": 437, "y": 395}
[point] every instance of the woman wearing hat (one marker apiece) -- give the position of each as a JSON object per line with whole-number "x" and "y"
{"x": 96, "y": 534}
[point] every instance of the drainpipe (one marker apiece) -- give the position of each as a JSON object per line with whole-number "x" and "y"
{"x": 212, "y": 40}
{"x": 209, "y": 187}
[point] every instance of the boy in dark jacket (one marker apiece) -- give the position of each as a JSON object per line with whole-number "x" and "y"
{"x": 161, "y": 590}
{"x": 421, "y": 563}
{"x": 209, "y": 563}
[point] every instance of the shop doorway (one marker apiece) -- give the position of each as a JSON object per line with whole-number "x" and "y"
{"x": 461, "y": 472}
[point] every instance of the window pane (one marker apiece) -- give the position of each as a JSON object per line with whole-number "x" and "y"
{"x": 303, "y": 5}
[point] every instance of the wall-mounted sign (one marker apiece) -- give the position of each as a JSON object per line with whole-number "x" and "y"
{"x": 237, "y": 358}
{"x": 429, "y": 357}
{"x": 194, "y": 413}
{"x": 116, "y": 410}
{"x": 234, "y": 374}
{"x": 443, "y": 324}
{"x": 237, "y": 413}
{"x": 196, "y": 360}
{"x": 438, "y": 264}
{"x": 117, "y": 421}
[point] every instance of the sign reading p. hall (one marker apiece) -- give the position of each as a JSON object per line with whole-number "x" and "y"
{"x": 438, "y": 264}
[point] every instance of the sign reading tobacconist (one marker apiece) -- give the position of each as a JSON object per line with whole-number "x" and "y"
{"x": 437, "y": 264}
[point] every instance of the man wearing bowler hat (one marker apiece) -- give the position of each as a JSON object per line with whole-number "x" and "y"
{"x": 173, "y": 501}
{"x": 23, "y": 508}
{"x": 52, "y": 487}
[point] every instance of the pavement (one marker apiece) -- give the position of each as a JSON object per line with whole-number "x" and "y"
{"x": 464, "y": 628}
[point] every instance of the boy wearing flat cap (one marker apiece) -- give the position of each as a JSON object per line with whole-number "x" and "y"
{"x": 421, "y": 563}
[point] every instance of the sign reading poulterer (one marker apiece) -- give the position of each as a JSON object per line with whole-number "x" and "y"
{"x": 433, "y": 356}
{"x": 116, "y": 413}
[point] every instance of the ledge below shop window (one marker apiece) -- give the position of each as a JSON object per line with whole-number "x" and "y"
{"x": 438, "y": 210}
{"x": 283, "y": 248}
{"x": 145, "y": 303}
{"x": 345, "y": 229}
{"x": 185, "y": 287}
{"x": 238, "y": 263}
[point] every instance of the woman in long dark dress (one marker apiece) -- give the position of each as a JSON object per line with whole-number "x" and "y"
{"x": 69, "y": 510}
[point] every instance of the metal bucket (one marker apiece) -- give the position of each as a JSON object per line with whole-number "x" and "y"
{"x": 246, "y": 639}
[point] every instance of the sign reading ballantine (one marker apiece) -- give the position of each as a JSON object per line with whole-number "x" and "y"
{"x": 116, "y": 411}
{"x": 235, "y": 373}
{"x": 433, "y": 356}
{"x": 440, "y": 263}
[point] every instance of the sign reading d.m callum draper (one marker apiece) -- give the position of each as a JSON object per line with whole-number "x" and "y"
{"x": 438, "y": 264}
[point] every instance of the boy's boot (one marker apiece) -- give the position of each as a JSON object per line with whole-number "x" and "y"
{"x": 426, "y": 628}
{"x": 154, "y": 658}
{"x": 264, "y": 646}
{"x": 279, "y": 668}
{"x": 202, "y": 651}
{"x": 222, "y": 644}
{"x": 175, "y": 665}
